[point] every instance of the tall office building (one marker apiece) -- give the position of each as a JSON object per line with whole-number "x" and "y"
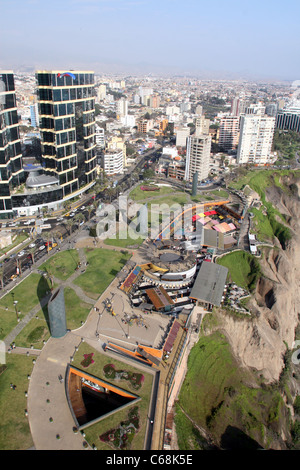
{"x": 229, "y": 133}
{"x": 11, "y": 167}
{"x": 289, "y": 119}
{"x": 256, "y": 138}
{"x": 67, "y": 125}
{"x": 197, "y": 157}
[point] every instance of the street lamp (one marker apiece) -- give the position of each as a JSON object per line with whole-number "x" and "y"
{"x": 15, "y": 304}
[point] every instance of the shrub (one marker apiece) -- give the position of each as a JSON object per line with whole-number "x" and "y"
{"x": 88, "y": 360}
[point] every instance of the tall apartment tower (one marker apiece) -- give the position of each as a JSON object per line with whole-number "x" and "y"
{"x": 238, "y": 106}
{"x": 202, "y": 125}
{"x": 197, "y": 157}
{"x": 122, "y": 107}
{"x": 11, "y": 167}
{"x": 67, "y": 125}
{"x": 256, "y": 138}
{"x": 229, "y": 133}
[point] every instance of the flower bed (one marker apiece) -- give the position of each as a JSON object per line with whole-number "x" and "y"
{"x": 88, "y": 360}
{"x": 122, "y": 436}
{"x": 135, "y": 379}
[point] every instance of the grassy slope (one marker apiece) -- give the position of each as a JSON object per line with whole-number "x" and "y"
{"x": 216, "y": 395}
{"x": 243, "y": 267}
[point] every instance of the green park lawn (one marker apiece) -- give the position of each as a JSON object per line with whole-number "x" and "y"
{"x": 138, "y": 195}
{"x": 123, "y": 242}
{"x": 14, "y": 429}
{"x": 34, "y": 333}
{"x": 28, "y": 294}
{"x": 76, "y": 309}
{"x": 96, "y": 369}
{"x": 37, "y": 329}
{"x": 103, "y": 266}
{"x": 62, "y": 264}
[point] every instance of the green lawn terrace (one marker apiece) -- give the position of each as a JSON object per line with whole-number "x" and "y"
{"x": 107, "y": 432}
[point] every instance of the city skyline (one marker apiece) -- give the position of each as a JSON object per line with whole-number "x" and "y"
{"x": 231, "y": 40}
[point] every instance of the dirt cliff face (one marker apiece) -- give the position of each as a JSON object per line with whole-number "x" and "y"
{"x": 260, "y": 343}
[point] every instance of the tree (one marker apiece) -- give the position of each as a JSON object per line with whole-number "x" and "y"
{"x": 70, "y": 224}
{"x": 48, "y": 237}
{"x": 79, "y": 218}
{"x": 32, "y": 251}
{"x": 1, "y": 276}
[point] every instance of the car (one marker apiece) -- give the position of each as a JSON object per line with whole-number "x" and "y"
{"x": 60, "y": 219}
{"x": 72, "y": 214}
{"x": 21, "y": 253}
{"x": 42, "y": 247}
{"x": 27, "y": 222}
{"x": 82, "y": 208}
{"x": 32, "y": 245}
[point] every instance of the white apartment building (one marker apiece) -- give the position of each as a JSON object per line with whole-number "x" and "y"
{"x": 181, "y": 136}
{"x": 113, "y": 162}
{"x": 122, "y": 108}
{"x": 197, "y": 157}
{"x": 256, "y": 138}
{"x": 101, "y": 94}
{"x": 100, "y": 137}
{"x": 229, "y": 132}
{"x": 128, "y": 120}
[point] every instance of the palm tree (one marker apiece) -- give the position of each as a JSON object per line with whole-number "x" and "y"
{"x": 50, "y": 275}
{"x": 79, "y": 218}
{"x": 70, "y": 223}
{"x": 58, "y": 234}
{"x": 48, "y": 236}
{"x": 90, "y": 209}
{"x": 32, "y": 251}
{"x": 1, "y": 276}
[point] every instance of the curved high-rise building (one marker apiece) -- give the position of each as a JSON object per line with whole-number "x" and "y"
{"x": 11, "y": 168}
{"x": 66, "y": 101}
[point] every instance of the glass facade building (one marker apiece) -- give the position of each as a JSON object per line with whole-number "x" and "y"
{"x": 11, "y": 168}
{"x": 66, "y": 105}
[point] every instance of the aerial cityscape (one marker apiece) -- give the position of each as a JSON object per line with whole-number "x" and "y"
{"x": 149, "y": 228}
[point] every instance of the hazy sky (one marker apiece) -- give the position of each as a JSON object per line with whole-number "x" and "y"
{"x": 224, "y": 38}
